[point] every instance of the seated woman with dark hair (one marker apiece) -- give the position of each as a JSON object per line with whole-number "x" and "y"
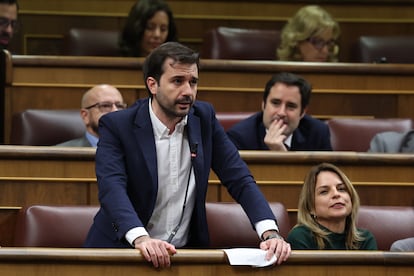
{"x": 149, "y": 24}
{"x": 327, "y": 211}
{"x": 310, "y": 35}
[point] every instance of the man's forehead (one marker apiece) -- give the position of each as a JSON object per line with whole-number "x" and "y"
{"x": 283, "y": 89}
{"x": 174, "y": 67}
{"x": 8, "y": 11}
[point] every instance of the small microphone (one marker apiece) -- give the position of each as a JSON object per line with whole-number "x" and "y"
{"x": 381, "y": 60}
{"x": 193, "y": 150}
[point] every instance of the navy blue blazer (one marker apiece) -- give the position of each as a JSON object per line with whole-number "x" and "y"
{"x": 311, "y": 134}
{"x": 126, "y": 170}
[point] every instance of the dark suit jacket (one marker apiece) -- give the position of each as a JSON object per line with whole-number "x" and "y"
{"x": 392, "y": 142}
{"x": 311, "y": 134}
{"x": 126, "y": 169}
{"x": 78, "y": 142}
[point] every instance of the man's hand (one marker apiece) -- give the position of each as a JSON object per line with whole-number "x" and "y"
{"x": 274, "y": 137}
{"x": 156, "y": 251}
{"x": 275, "y": 245}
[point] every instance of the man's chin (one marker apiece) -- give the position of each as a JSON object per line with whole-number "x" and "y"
{"x": 183, "y": 108}
{"x": 182, "y": 112}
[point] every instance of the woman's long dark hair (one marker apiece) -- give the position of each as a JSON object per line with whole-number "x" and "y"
{"x": 140, "y": 13}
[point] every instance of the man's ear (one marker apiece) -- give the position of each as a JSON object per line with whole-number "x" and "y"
{"x": 304, "y": 112}
{"x": 152, "y": 85}
{"x": 263, "y": 105}
{"x": 84, "y": 114}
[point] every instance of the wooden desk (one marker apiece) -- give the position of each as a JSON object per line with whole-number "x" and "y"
{"x": 46, "y": 22}
{"x": 55, "y": 175}
{"x": 380, "y": 179}
{"x": 53, "y": 261}
{"x": 66, "y": 176}
{"x": 341, "y": 89}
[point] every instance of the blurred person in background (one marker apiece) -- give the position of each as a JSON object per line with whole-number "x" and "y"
{"x": 310, "y": 35}
{"x": 149, "y": 24}
{"x": 8, "y": 21}
{"x": 95, "y": 103}
{"x": 392, "y": 142}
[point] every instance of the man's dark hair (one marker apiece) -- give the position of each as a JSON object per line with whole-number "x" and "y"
{"x": 154, "y": 63}
{"x": 290, "y": 79}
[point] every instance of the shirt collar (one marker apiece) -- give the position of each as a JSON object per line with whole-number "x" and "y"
{"x": 288, "y": 141}
{"x": 93, "y": 140}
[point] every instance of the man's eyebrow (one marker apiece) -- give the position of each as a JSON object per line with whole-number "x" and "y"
{"x": 183, "y": 77}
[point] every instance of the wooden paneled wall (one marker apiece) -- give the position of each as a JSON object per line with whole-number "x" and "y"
{"x": 45, "y": 22}
{"x": 339, "y": 90}
{"x": 66, "y": 176}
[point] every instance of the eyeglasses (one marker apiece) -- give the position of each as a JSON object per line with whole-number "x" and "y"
{"x": 5, "y": 22}
{"x": 319, "y": 43}
{"x": 107, "y": 106}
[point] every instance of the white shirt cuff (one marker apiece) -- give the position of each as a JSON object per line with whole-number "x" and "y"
{"x": 265, "y": 225}
{"x": 134, "y": 233}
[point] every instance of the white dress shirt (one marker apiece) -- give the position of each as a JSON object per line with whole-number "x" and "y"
{"x": 173, "y": 177}
{"x": 173, "y": 167}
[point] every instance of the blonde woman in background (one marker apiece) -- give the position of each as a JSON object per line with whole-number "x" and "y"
{"x": 327, "y": 212}
{"x": 310, "y": 35}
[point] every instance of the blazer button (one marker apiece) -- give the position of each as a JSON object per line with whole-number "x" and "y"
{"x": 115, "y": 226}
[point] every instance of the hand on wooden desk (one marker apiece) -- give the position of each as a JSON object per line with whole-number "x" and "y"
{"x": 275, "y": 244}
{"x": 156, "y": 251}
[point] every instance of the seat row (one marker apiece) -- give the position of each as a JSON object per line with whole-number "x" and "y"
{"x": 246, "y": 44}
{"x": 67, "y": 226}
{"x": 49, "y": 127}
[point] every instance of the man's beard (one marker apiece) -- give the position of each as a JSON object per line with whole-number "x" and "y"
{"x": 171, "y": 113}
{"x": 3, "y": 36}
{"x": 95, "y": 128}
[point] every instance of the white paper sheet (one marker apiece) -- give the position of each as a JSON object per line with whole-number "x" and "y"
{"x": 249, "y": 256}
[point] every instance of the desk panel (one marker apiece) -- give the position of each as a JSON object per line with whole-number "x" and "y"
{"x": 36, "y": 261}
{"x": 66, "y": 176}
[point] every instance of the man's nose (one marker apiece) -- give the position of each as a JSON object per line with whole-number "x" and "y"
{"x": 9, "y": 29}
{"x": 282, "y": 110}
{"x": 325, "y": 48}
{"x": 187, "y": 88}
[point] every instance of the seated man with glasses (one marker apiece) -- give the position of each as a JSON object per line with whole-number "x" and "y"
{"x": 310, "y": 35}
{"x": 8, "y": 21}
{"x": 97, "y": 101}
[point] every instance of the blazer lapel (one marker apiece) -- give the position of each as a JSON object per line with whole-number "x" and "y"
{"x": 194, "y": 138}
{"x": 144, "y": 137}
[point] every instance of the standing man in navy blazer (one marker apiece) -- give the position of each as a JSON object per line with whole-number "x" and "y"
{"x": 153, "y": 162}
{"x": 282, "y": 124}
